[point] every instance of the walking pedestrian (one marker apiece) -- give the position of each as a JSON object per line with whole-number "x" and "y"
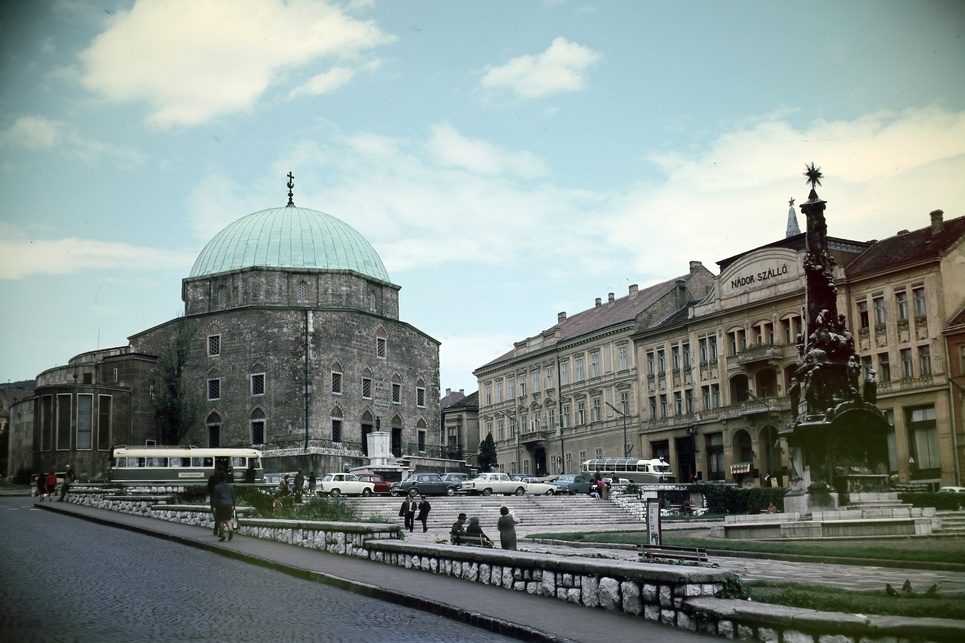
{"x": 212, "y": 483}
{"x": 223, "y": 502}
{"x": 299, "y": 485}
{"x": 507, "y": 528}
{"x": 42, "y": 486}
{"x": 312, "y": 484}
{"x": 69, "y": 479}
{"x": 51, "y": 484}
{"x": 424, "y": 508}
{"x": 407, "y": 511}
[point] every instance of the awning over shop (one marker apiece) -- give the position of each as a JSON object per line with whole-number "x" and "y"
{"x": 740, "y": 467}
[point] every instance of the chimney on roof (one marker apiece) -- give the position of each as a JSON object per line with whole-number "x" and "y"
{"x": 609, "y": 298}
{"x": 937, "y": 223}
{"x": 694, "y": 266}
{"x": 448, "y": 391}
{"x": 634, "y": 289}
{"x": 599, "y": 302}
{"x": 561, "y": 317}
{"x": 462, "y": 391}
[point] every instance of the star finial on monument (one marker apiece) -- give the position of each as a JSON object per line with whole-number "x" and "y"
{"x": 814, "y": 175}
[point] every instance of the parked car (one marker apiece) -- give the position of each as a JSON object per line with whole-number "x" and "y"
{"x": 536, "y": 487}
{"x": 489, "y": 483}
{"x": 455, "y": 477}
{"x": 572, "y": 483}
{"x": 429, "y": 484}
{"x": 380, "y": 484}
{"x": 337, "y": 484}
{"x": 952, "y": 490}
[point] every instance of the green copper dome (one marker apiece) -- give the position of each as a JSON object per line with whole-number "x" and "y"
{"x": 289, "y": 237}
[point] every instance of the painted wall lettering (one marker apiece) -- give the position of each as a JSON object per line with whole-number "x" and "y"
{"x": 760, "y": 277}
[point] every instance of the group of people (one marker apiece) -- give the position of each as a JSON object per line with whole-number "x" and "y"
{"x": 506, "y": 525}
{"x": 47, "y": 484}
{"x": 411, "y": 511}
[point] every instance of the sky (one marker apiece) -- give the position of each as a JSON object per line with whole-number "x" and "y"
{"x": 508, "y": 160}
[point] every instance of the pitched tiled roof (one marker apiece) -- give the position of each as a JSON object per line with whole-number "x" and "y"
{"x": 469, "y": 401}
{"x": 611, "y": 313}
{"x": 906, "y": 248}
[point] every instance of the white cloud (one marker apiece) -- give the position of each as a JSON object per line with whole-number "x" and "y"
{"x": 194, "y": 59}
{"x": 561, "y": 68}
{"x": 324, "y": 83}
{"x": 452, "y": 149}
{"x": 39, "y": 134}
{"x": 21, "y": 256}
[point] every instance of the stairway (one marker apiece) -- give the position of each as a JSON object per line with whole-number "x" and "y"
{"x": 580, "y": 512}
{"x": 953, "y": 523}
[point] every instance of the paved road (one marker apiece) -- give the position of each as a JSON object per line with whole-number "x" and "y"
{"x": 65, "y": 579}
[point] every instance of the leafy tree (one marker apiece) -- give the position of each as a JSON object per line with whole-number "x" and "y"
{"x": 487, "y": 454}
{"x": 174, "y": 411}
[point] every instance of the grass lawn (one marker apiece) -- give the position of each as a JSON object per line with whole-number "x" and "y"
{"x": 829, "y": 599}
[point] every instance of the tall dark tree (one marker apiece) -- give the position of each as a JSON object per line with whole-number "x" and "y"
{"x": 487, "y": 454}
{"x": 174, "y": 410}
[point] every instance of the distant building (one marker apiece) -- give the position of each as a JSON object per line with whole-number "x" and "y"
{"x": 460, "y": 427}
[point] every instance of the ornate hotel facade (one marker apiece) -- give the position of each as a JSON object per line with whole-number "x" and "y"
{"x": 698, "y": 371}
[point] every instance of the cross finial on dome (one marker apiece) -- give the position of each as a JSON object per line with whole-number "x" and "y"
{"x": 291, "y": 184}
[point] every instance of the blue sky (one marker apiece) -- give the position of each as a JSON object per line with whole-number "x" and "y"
{"x": 507, "y": 159}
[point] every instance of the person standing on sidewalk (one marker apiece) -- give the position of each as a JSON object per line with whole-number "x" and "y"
{"x": 223, "y": 502}
{"x": 424, "y": 508}
{"x": 407, "y": 511}
{"x": 51, "y": 483}
{"x": 69, "y": 479}
{"x": 507, "y": 528}
{"x": 299, "y": 486}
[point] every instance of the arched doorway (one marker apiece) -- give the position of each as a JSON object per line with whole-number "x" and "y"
{"x": 770, "y": 447}
{"x": 742, "y": 457}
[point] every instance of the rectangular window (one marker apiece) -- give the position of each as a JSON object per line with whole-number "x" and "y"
{"x": 500, "y": 429}
{"x": 596, "y": 409}
{"x": 663, "y": 406}
{"x": 488, "y": 394}
{"x": 924, "y": 360}
{"x": 924, "y": 435}
{"x": 565, "y": 416}
{"x": 336, "y": 429}
{"x": 884, "y": 368}
{"x": 661, "y": 362}
{"x": 104, "y": 421}
{"x": 863, "y": 321}
{"x": 625, "y": 403}
{"x": 498, "y": 385}
{"x": 879, "y": 306}
{"x": 257, "y": 431}
{"x": 214, "y": 345}
{"x": 678, "y": 403}
{"x": 64, "y": 412}
{"x": 675, "y": 357}
{"x": 580, "y": 413}
{"x": 686, "y": 348}
{"x": 712, "y": 347}
{"x": 552, "y": 418}
{"x": 901, "y": 301}
{"x": 866, "y": 366}
{"x": 702, "y": 347}
{"x": 651, "y": 370}
{"x": 214, "y": 389}
{"x": 420, "y": 397}
{"x": 921, "y": 307}
{"x": 367, "y": 388}
{"x": 380, "y": 347}
{"x": 85, "y": 421}
{"x": 705, "y": 397}
{"x": 907, "y": 369}
{"x": 653, "y": 408}
{"x": 511, "y": 388}
{"x": 336, "y": 382}
{"x": 622, "y": 357}
{"x": 396, "y": 393}
{"x": 258, "y": 384}
{"x": 564, "y": 373}
{"x": 522, "y": 386}
{"x": 689, "y": 401}
{"x": 535, "y": 381}
{"x": 715, "y": 395}
{"x": 595, "y": 365}
{"x": 549, "y": 377}
{"x": 579, "y": 369}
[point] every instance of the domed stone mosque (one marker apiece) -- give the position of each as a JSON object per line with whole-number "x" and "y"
{"x": 290, "y": 342}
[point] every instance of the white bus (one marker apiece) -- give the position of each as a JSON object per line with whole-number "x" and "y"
{"x": 638, "y": 471}
{"x": 184, "y": 464}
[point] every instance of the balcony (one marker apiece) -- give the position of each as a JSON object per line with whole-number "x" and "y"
{"x": 771, "y": 354}
{"x": 540, "y": 435}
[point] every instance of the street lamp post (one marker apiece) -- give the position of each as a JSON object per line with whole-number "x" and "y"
{"x": 516, "y": 431}
{"x": 627, "y": 447}
{"x": 770, "y": 450}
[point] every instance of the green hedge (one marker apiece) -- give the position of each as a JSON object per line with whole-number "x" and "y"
{"x": 945, "y": 501}
{"x": 725, "y": 499}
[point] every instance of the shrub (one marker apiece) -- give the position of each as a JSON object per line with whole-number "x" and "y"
{"x": 944, "y": 501}
{"x": 725, "y": 499}
{"x": 23, "y": 476}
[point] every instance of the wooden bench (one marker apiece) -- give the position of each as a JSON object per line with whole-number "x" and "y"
{"x": 470, "y": 540}
{"x": 692, "y": 554}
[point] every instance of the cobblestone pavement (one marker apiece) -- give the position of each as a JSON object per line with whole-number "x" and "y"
{"x": 71, "y": 580}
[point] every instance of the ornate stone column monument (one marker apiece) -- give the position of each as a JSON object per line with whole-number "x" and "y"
{"x": 837, "y": 438}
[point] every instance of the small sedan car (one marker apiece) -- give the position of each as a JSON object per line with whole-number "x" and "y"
{"x": 535, "y": 487}
{"x": 490, "y": 483}
{"x": 572, "y": 483}
{"x": 380, "y": 485}
{"x": 429, "y": 484}
{"x": 337, "y": 484}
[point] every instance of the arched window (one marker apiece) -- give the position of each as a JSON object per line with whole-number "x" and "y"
{"x": 302, "y": 292}
{"x": 258, "y": 425}
{"x": 336, "y": 423}
{"x": 222, "y": 297}
{"x": 213, "y": 422}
